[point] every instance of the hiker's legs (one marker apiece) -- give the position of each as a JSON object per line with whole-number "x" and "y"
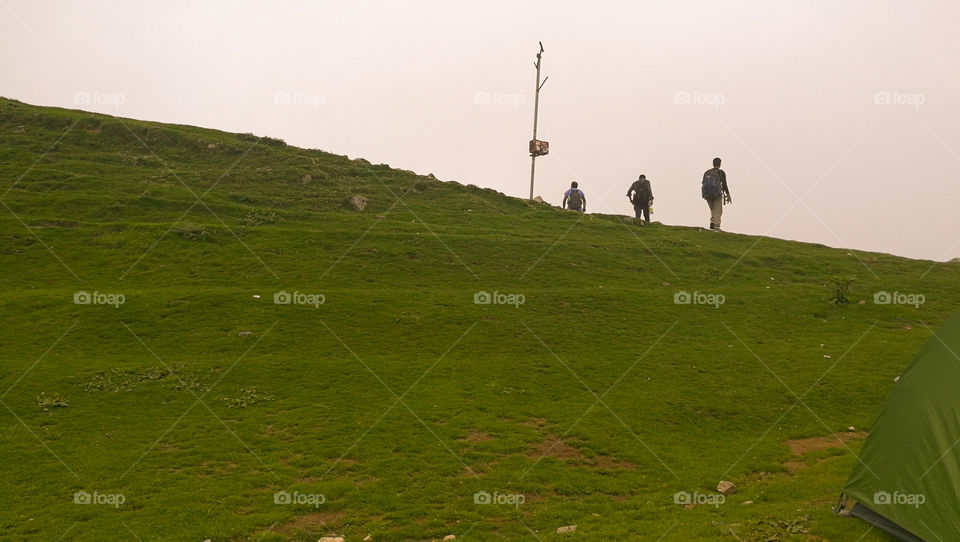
{"x": 716, "y": 211}
{"x": 646, "y": 213}
{"x": 637, "y": 210}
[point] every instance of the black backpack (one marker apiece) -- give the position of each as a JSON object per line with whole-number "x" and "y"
{"x": 575, "y": 199}
{"x": 711, "y": 187}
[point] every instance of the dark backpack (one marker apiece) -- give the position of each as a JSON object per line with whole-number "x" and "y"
{"x": 711, "y": 188}
{"x": 641, "y": 192}
{"x": 575, "y": 199}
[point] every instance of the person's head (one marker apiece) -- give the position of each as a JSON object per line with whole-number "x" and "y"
{"x": 573, "y": 184}
{"x": 641, "y": 177}
{"x": 716, "y": 162}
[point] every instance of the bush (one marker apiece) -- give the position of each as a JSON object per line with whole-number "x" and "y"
{"x": 842, "y": 288}
{"x": 257, "y": 217}
{"x": 48, "y": 402}
{"x": 247, "y": 397}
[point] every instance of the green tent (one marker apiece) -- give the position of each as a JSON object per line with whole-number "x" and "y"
{"x": 907, "y": 480}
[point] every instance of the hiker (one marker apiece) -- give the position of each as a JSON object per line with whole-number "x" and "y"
{"x": 640, "y": 195}
{"x": 574, "y": 199}
{"x": 714, "y": 190}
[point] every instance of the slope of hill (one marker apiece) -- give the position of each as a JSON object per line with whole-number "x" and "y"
{"x": 203, "y": 339}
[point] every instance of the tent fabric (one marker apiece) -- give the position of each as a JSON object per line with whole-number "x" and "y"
{"x": 882, "y": 523}
{"x": 909, "y": 469}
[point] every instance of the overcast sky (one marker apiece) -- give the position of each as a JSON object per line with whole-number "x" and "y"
{"x": 838, "y": 121}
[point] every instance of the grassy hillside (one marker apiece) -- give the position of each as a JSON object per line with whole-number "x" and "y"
{"x": 399, "y": 402}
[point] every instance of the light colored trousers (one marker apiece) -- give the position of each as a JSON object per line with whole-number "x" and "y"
{"x": 716, "y": 210}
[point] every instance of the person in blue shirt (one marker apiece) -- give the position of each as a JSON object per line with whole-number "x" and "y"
{"x": 574, "y": 199}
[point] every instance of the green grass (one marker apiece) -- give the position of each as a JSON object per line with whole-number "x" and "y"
{"x": 398, "y": 398}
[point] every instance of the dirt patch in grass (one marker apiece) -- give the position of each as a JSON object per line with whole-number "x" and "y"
{"x": 794, "y": 466}
{"x": 285, "y": 433}
{"x": 534, "y": 422}
{"x": 211, "y": 468}
{"x": 315, "y": 523}
{"x": 799, "y": 447}
{"x": 476, "y": 436}
{"x": 555, "y": 447}
{"x": 170, "y": 448}
{"x": 607, "y": 462}
{"x": 53, "y": 224}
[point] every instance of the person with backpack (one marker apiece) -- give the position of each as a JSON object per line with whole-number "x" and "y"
{"x": 640, "y": 195}
{"x": 714, "y": 189}
{"x": 574, "y": 199}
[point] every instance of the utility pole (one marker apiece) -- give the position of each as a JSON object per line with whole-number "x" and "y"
{"x": 537, "y": 148}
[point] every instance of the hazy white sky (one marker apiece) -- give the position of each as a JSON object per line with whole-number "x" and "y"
{"x": 837, "y": 120}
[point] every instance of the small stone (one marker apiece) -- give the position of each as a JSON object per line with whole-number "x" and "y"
{"x": 367, "y": 538}
{"x": 450, "y": 537}
{"x": 245, "y": 333}
{"x": 826, "y": 356}
{"x": 746, "y": 502}
{"x": 851, "y": 428}
{"x": 20, "y": 130}
{"x": 212, "y": 146}
{"x": 306, "y": 178}
{"x": 566, "y": 529}
{"x": 331, "y": 539}
{"x": 596, "y": 515}
{"x": 665, "y": 284}
{"x": 862, "y": 302}
{"x": 538, "y": 199}
{"x": 727, "y": 488}
{"x": 380, "y": 217}
{"x": 896, "y": 379}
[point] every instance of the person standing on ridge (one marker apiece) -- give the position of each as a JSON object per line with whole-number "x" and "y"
{"x": 640, "y": 195}
{"x": 714, "y": 189}
{"x": 574, "y": 199}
